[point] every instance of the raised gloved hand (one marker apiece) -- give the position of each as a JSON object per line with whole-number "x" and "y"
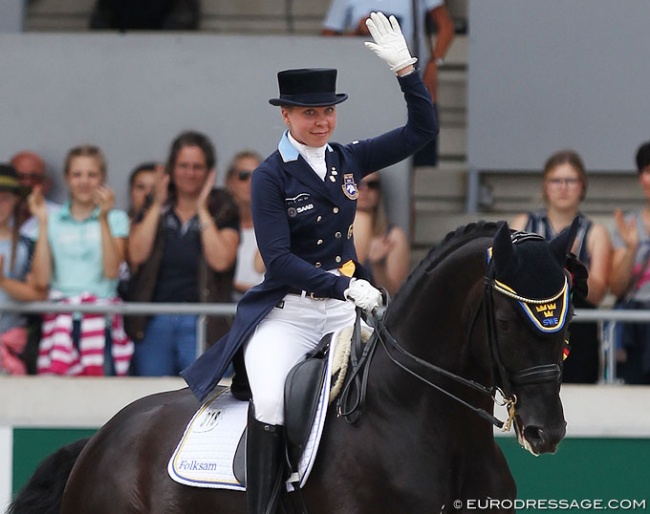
{"x": 389, "y": 44}
{"x": 364, "y": 296}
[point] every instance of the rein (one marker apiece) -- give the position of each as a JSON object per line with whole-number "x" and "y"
{"x": 501, "y": 396}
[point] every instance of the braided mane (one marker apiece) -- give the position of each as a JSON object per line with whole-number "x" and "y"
{"x": 452, "y": 241}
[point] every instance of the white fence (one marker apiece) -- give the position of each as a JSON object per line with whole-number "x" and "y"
{"x": 228, "y": 309}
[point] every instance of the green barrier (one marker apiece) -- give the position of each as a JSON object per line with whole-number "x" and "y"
{"x": 590, "y": 474}
{"x": 586, "y": 474}
{"x": 32, "y": 445}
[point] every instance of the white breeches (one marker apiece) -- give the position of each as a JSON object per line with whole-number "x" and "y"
{"x": 281, "y": 340}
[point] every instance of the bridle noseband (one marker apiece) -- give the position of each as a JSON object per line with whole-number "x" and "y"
{"x": 533, "y": 375}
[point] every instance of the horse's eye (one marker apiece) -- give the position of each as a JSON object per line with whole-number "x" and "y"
{"x": 503, "y": 325}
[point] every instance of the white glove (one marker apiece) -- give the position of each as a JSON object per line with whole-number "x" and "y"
{"x": 364, "y": 296}
{"x": 389, "y": 44}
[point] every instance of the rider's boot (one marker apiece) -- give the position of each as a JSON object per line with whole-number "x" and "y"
{"x": 264, "y": 466}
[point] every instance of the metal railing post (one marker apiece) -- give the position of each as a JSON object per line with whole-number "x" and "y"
{"x": 200, "y": 334}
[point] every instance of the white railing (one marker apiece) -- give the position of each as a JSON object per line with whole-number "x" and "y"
{"x": 228, "y": 309}
{"x": 199, "y": 309}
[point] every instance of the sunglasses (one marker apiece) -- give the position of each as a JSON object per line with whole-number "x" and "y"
{"x": 244, "y": 175}
{"x": 372, "y": 184}
{"x": 34, "y": 176}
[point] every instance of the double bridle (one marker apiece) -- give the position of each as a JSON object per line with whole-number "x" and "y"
{"x": 501, "y": 395}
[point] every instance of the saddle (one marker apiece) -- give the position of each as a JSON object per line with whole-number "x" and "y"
{"x": 302, "y": 391}
{"x": 213, "y": 448}
{"x": 301, "y": 394}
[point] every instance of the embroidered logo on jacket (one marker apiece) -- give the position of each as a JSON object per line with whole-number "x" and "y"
{"x": 293, "y": 211}
{"x": 349, "y": 187}
{"x": 298, "y": 204}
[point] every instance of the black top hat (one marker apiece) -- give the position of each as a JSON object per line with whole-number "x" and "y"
{"x": 313, "y": 87}
{"x": 9, "y": 179}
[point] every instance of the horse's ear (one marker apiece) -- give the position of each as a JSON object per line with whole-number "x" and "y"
{"x": 502, "y": 252}
{"x": 562, "y": 244}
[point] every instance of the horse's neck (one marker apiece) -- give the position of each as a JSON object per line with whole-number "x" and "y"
{"x": 443, "y": 324}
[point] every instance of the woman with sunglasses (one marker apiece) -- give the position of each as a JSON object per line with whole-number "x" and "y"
{"x": 304, "y": 197}
{"x": 382, "y": 247}
{"x": 16, "y": 283}
{"x": 250, "y": 268}
{"x": 564, "y": 186}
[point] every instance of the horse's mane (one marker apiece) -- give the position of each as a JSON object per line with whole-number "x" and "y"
{"x": 451, "y": 242}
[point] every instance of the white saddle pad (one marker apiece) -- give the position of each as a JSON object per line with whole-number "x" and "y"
{"x": 204, "y": 456}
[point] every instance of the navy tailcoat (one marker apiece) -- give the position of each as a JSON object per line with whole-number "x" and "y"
{"x": 303, "y": 224}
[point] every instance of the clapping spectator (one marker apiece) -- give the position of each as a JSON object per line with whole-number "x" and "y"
{"x": 250, "y": 267}
{"x": 182, "y": 249}
{"x": 629, "y": 279}
{"x": 77, "y": 255}
{"x": 15, "y": 282}
{"x": 32, "y": 172}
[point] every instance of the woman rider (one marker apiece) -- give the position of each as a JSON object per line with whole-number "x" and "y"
{"x": 304, "y": 198}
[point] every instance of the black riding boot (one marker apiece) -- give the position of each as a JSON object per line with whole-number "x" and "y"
{"x": 264, "y": 466}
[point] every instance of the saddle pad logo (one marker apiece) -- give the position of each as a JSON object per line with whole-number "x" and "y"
{"x": 350, "y": 187}
{"x": 208, "y": 421}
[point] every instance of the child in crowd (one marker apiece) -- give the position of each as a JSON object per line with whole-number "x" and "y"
{"x": 78, "y": 253}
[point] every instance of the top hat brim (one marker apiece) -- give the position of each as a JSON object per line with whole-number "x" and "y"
{"x": 297, "y": 101}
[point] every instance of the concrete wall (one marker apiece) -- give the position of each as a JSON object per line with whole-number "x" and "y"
{"x": 606, "y": 453}
{"x": 554, "y": 74}
{"x": 132, "y": 94}
{"x": 12, "y": 15}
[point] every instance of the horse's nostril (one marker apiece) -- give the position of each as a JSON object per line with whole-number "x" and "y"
{"x": 534, "y": 435}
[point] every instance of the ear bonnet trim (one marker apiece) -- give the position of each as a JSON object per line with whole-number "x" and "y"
{"x": 548, "y": 315}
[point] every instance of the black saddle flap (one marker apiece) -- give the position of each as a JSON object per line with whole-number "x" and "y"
{"x": 301, "y": 393}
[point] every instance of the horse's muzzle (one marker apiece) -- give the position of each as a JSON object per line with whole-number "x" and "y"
{"x": 537, "y": 439}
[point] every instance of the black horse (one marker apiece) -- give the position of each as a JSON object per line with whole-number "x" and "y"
{"x": 482, "y": 318}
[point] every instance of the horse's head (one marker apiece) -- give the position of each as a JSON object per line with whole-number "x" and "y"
{"x": 529, "y": 294}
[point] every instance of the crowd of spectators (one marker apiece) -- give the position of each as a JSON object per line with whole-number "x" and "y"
{"x": 178, "y": 243}
{"x": 183, "y": 240}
